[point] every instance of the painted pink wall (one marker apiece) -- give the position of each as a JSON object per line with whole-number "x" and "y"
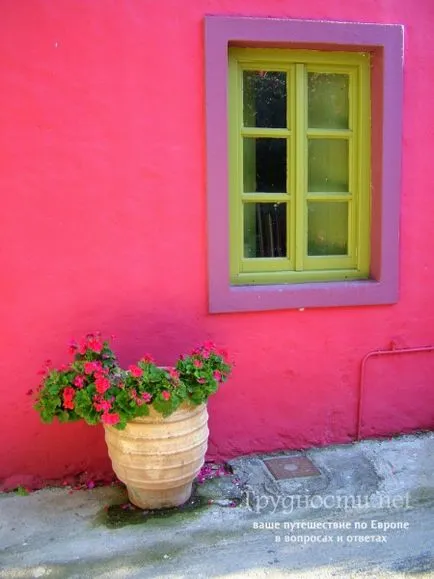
{"x": 102, "y": 226}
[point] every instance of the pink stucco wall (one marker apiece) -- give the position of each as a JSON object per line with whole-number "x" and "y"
{"x": 102, "y": 227}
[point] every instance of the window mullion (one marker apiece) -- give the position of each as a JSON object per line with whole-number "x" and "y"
{"x": 300, "y": 143}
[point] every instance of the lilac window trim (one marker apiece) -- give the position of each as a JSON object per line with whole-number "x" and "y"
{"x": 386, "y": 42}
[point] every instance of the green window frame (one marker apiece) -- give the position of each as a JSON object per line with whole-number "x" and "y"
{"x": 301, "y": 262}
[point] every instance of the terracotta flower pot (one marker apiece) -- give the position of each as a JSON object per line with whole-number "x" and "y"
{"x": 158, "y": 458}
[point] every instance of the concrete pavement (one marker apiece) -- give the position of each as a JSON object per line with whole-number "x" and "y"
{"x": 367, "y": 512}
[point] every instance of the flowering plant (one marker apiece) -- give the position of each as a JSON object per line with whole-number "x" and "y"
{"x": 94, "y": 388}
{"x": 203, "y": 371}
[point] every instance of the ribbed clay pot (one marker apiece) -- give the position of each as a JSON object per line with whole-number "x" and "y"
{"x": 158, "y": 458}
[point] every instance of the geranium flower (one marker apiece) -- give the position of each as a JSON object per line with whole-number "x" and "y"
{"x": 69, "y": 392}
{"x": 224, "y": 354}
{"x": 68, "y": 398}
{"x": 102, "y": 384}
{"x": 82, "y": 347}
{"x": 108, "y": 418}
{"x": 72, "y": 347}
{"x": 43, "y": 371}
{"x": 102, "y": 405}
{"x": 95, "y": 345}
{"x": 146, "y": 397}
{"x": 173, "y": 373}
{"x": 89, "y": 367}
{"x": 197, "y": 364}
{"x": 147, "y": 359}
{"x": 166, "y": 395}
{"x": 217, "y": 376}
{"x": 135, "y": 371}
{"x": 79, "y": 381}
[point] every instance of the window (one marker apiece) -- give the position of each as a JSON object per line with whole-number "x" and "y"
{"x": 299, "y": 124}
{"x": 304, "y": 130}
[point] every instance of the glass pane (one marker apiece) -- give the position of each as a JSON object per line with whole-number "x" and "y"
{"x": 264, "y": 167}
{"x": 328, "y": 106}
{"x": 265, "y": 230}
{"x": 327, "y": 228}
{"x": 328, "y": 165}
{"x": 264, "y": 99}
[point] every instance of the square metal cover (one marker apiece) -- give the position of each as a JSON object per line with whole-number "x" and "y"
{"x": 285, "y": 467}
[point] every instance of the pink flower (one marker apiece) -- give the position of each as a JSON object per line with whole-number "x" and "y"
{"x": 197, "y": 364}
{"x": 68, "y": 398}
{"x": 208, "y": 345}
{"x": 94, "y": 343}
{"x": 135, "y": 371}
{"x": 165, "y": 394}
{"x": 108, "y": 418}
{"x": 174, "y": 373}
{"x": 45, "y": 369}
{"x": 82, "y": 347}
{"x": 79, "y": 381}
{"x": 69, "y": 392}
{"x": 101, "y": 405}
{"x": 147, "y": 358}
{"x": 201, "y": 380}
{"x": 224, "y": 354}
{"x": 73, "y": 347}
{"x": 146, "y": 397}
{"x": 102, "y": 384}
{"x": 89, "y": 367}
{"x": 217, "y": 376}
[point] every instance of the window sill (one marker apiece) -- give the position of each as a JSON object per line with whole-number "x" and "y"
{"x": 303, "y": 295}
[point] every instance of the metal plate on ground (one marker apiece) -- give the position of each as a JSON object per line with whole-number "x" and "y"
{"x": 286, "y": 467}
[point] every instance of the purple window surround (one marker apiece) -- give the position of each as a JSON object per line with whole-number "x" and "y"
{"x": 386, "y": 43}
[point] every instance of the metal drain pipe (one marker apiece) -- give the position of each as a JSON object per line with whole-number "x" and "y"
{"x": 374, "y": 353}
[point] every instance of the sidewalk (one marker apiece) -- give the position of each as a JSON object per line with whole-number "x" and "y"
{"x": 358, "y": 511}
